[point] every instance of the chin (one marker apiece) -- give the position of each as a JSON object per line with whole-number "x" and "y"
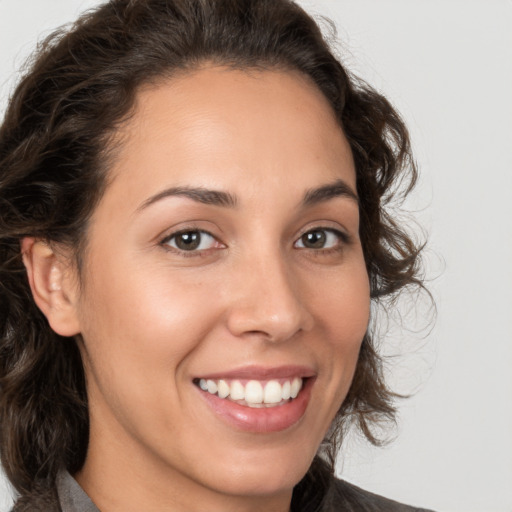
{"x": 265, "y": 476}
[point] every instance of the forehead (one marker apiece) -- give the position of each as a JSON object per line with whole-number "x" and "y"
{"x": 218, "y": 126}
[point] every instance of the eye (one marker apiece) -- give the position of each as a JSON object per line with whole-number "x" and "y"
{"x": 320, "y": 238}
{"x": 191, "y": 240}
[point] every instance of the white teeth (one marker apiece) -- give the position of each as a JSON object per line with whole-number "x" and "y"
{"x": 273, "y": 392}
{"x": 223, "y": 389}
{"x": 295, "y": 388}
{"x": 212, "y": 386}
{"x": 255, "y": 405}
{"x": 254, "y": 393}
{"x": 237, "y": 391}
{"x": 286, "y": 390}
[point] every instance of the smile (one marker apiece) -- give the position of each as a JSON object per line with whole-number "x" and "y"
{"x": 254, "y": 393}
{"x": 257, "y": 399}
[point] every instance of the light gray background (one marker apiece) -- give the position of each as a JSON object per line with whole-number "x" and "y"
{"x": 447, "y": 66}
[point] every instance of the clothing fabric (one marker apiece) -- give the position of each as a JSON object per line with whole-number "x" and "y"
{"x": 341, "y": 497}
{"x": 346, "y": 497}
{"x": 72, "y": 498}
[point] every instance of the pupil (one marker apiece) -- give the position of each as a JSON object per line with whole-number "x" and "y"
{"x": 188, "y": 241}
{"x": 314, "y": 239}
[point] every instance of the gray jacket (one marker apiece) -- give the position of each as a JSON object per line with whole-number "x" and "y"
{"x": 341, "y": 497}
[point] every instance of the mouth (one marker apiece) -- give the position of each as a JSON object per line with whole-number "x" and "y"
{"x": 258, "y": 400}
{"x": 253, "y": 393}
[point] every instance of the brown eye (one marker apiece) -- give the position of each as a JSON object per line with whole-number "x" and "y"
{"x": 314, "y": 239}
{"x": 193, "y": 240}
{"x": 320, "y": 239}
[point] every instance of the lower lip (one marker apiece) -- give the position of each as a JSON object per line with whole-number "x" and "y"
{"x": 265, "y": 419}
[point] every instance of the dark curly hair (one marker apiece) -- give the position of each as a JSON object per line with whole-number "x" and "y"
{"x": 55, "y": 143}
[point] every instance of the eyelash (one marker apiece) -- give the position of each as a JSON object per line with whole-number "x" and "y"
{"x": 190, "y": 253}
{"x": 343, "y": 239}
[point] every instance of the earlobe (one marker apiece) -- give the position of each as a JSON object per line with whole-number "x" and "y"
{"x": 52, "y": 286}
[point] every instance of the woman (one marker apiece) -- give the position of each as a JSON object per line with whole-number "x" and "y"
{"x": 192, "y": 230}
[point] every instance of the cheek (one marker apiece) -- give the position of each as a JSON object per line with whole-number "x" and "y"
{"x": 140, "y": 334}
{"x": 344, "y": 306}
{"x": 140, "y": 326}
{"x": 138, "y": 301}
{"x": 343, "y": 312}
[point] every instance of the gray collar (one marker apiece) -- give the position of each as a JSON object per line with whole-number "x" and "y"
{"x": 72, "y": 498}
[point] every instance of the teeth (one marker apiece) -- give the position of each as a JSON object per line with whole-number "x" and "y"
{"x": 286, "y": 390}
{"x": 295, "y": 388}
{"x": 237, "y": 391}
{"x": 254, "y": 393}
{"x": 273, "y": 392}
{"x": 223, "y": 389}
{"x": 212, "y": 386}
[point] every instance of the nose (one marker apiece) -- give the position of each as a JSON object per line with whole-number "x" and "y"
{"x": 267, "y": 301}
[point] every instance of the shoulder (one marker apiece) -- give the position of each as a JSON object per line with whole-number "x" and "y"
{"x": 347, "y": 497}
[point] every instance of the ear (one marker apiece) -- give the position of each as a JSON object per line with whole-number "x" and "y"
{"x": 53, "y": 286}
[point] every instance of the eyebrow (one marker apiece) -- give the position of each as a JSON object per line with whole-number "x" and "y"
{"x": 336, "y": 189}
{"x": 220, "y": 198}
{"x": 199, "y": 194}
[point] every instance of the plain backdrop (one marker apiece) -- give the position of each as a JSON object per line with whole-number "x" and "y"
{"x": 447, "y": 66}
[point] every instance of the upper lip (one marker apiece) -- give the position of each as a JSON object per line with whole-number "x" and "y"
{"x": 262, "y": 373}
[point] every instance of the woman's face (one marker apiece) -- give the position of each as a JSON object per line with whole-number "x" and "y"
{"x": 223, "y": 255}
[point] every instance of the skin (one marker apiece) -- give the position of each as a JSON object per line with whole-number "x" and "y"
{"x": 154, "y": 318}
